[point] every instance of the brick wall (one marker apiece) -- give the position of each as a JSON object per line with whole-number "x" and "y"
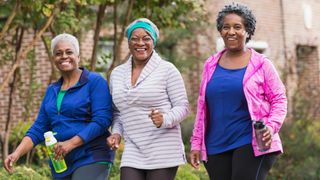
{"x": 297, "y": 34}
{"x": 42, "y": 73}
{"x": 308, "y": 83}
{"x": 86, "y": 46}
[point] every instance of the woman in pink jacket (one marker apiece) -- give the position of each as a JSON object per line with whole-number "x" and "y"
{"x": 239, "y": 86}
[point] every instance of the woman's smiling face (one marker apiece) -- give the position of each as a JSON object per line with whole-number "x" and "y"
{"x": 65, "y": 57}
{"x": 233, "y": 32}
{"x": 140, "y": 45}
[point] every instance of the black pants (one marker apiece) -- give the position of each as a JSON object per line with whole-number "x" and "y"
{"x": 240, "y": 163}
{"x": 128, "y": 173}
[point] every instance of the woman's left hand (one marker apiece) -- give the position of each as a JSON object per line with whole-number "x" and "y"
{"x": 267, "y": 137}
{"x": 156, "y": 117}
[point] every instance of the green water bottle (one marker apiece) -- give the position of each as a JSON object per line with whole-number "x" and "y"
{"x": 59, "y": 165}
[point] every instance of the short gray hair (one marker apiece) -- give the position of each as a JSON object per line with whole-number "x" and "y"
{"x": 67, "y": 38}
{"x": 143, "y": 20}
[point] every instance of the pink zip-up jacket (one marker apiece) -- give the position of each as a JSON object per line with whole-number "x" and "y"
{"x": 265, "y": 95}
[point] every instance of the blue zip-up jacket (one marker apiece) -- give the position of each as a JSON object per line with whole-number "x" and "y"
{"x": 86, "y": 111}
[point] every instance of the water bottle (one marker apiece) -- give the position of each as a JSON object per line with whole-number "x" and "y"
{"x": 59, "y": 165}
{"x": 259, "y": 129}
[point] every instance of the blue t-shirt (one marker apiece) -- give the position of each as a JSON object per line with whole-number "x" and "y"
{"x": 229, "y": 119}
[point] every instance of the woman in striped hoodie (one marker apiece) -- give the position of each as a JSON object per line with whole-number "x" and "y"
{"x": 150, "y": 101}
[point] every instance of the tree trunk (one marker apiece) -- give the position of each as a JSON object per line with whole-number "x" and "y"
{"x": 53, "y": 71}
{"x": 115, "y": 29}
{"x": 22, "y": 54}
{"x": 5, "y": 148}
{"x": 5, "y": 144}
{"x": 100, "y": 16}
{"x": 10, "y": 19}
{"x": 116, "y": 61}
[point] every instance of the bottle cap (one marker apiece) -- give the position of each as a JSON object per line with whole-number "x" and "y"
{"x": 258, "y": 125}
{"x": 48, "y": 134}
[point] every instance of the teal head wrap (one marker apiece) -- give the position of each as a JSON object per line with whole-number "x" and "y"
{"x": 146, "y": 26}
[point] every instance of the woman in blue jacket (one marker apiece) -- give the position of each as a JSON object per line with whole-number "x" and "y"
{"x": 78, "y": 108}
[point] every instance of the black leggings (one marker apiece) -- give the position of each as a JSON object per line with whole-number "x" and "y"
{"x": 240, "y": 163}
{"x": 129, "y": 173}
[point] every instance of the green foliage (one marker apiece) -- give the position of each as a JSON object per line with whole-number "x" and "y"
{"x": 115, "y": 170}
{"x": 19, "y": 130}
{"x": 32, "y": 85}
{"x": 32, "y": 14}
{"x": 169, "y": 13}
{"x": 7, "y": 52}
{"x": 301, "y": 151}
{"x": 27, "y": 173}
{"x": 104, "y": 62}
{"x": 187, "y": 172}
{"x": 186, "y": 131}
{"x": 66, "y": 21}
{"x": 38, "y": 154}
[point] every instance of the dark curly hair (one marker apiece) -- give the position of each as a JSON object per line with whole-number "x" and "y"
{"x": 241, "y": 10}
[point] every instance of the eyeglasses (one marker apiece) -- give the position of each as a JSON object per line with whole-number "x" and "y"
{"x": 61, "y": 53}
{"x": 145, "y": 39}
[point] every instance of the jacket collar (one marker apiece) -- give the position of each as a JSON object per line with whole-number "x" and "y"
{"x": 84, "y": 78}
{"x": 255, "y": 62}
{"x": 151, "y": 65}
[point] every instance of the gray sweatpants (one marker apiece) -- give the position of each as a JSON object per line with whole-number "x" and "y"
{"x": 91, "y": 171}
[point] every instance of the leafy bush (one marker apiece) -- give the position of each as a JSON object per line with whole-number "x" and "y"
{"x": 301, "y": 152}
{"x": 37, "y": 155}
{"x": 186, "y": 131}
{"x": 27, "y": 173}
{"x": 187, "y": 172}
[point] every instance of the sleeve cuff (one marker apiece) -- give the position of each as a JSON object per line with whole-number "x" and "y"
{"x": 85, "y": 140}
{"x": 118, "y": 131}
{"x": 34, "y": 139}
{"x": 271, "y": 129}
{"x": 165, "y": 123}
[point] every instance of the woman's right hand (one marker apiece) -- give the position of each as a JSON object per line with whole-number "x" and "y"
{"x": 113, "y": 141}
{"x": 10, "y": 160}
{"x": 195, "y": 159}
